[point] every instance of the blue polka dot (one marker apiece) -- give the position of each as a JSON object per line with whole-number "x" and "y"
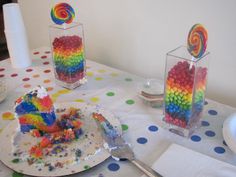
{"x": 195, "y": 138}
{"x": 142, "y": 140}
{"x": 113, "y": 167}
{"x": 210, "y": 133}
{"x": 219, "y": 150}
{"x": 212, "y": 112}
{"x": 205, "y": 123}
{"x": 206, "y": 103}
{"x": 153, "y": 128}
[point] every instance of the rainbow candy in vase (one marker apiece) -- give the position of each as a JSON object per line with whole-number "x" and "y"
{"x": 186, "y": 78}
{"x": 67, "y": 47}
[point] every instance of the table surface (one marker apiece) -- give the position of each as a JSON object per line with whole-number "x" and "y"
{"x": 117, "y": 91}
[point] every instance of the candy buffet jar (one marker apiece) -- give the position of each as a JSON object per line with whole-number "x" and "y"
{"x": 185, "y": 86}
{"x": 67, "y": 44}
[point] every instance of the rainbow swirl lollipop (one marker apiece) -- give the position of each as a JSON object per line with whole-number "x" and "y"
{"x": 197, "y": 40}
{"x": 62, "y": 13}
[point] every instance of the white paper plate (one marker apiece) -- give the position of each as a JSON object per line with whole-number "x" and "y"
{"x": 229, "y": 132}
{"x": 91, "y": 146}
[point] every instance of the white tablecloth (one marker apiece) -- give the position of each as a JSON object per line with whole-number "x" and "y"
{"x": 117, "y": 91}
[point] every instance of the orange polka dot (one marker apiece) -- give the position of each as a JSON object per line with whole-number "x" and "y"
{"x": 8, "y": 116}
{"x": 47, "y": 81}
{"x": 36, "y": 75}
{"x": 49, "y": 89}
{"x": 27, "y": 86}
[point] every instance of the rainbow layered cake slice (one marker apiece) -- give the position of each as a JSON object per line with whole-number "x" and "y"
{"x": 35, "y": 110}
{"x": 37, "y": 116}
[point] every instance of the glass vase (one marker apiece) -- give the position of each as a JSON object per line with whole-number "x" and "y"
{"x": 68, "y": 54}
{"x": 185, "y": 87}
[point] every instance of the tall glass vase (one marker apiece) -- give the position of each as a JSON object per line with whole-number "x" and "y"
{"x": 185, "y": 87}
{"x": 67, "y": 44}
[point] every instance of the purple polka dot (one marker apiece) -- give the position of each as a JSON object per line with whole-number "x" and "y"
{"x": 195, "y": 138}
{"x": 153, "y": 128}
{"x": 142, "y": 140}
{"x": 210, "y": 133}
{"x": 212, "y": 112}
{"x": 113, "y": 167}
{"x": 219, "y": 150}
{"x": 205, "y": 123}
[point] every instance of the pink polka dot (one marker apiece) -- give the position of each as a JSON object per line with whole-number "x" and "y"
{"x": 47, "y": 52}
{"x": 36, "y": 53}
{"x": 2, "y": 75}
{"x": 14, "y": 75}
{"x": 26, "y": 79}
{"x": 29, "y": 70}
{"x": 44, "y": 56}
{"x": 46, "y": 63}
{"x": 2, "y": 69}
{"x": 47, "y": 71}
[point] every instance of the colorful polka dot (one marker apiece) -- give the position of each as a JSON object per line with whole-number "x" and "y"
{"x": 14, "y": 75}
{"x": 2, "y": 75}
{"x": 212, "y": 112}
{"x": 43, "y": 57}
{"x": 219, "y": 150}
{"x": 124, "y": 127}
{"x": 79, "y": 100}
{"x": 64, "y": 91}
{"x": 114, "y": 74}
{"x": 210, "y": 133}
{"x": 47, "y": 81}
{"x": 98, "y": 78}
{"x": 26, "y": 85}
{"x": 90, "y": 74}
{"x": 47, "y": 71}
{"x": 8, "y": 116}
{"x": 2, "y": 69}
{"x": 142, "y": 140}
{"x": 195, "y": 138}
{"x": 94, "y": 99}
{"x": 29, "y": 70}
{"x": 49, "y": 89}
{"x": 113, "y": 167}
{"x": 46, "y": 63}
{"x": 36, "y": 75}
{"x": 153, "y": 128}
{"x": 26, "y": 79}
{"x": 130, "y": 102}
{"x": 36, "y": 53}
{"x": 86, "y": 167}
{"x": 205, "y": 123}
{"x": 110, "y": 94}
{"x": 128, "y": 79}
{"x": 102, "y": 71}
{"x": 47, "y": 52}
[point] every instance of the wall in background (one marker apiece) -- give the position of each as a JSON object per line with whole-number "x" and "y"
{"x": 135, "y": 35}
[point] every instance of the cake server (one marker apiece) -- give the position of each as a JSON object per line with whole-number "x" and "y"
{"x": 118, "y": 147}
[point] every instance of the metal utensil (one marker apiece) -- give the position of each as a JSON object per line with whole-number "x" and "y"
{"x": 118, "y": 147}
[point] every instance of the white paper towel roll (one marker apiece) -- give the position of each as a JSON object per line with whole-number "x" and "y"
{"x": 16, "y": 36}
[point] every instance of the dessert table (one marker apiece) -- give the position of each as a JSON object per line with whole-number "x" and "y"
{"x": 116, "y": 91}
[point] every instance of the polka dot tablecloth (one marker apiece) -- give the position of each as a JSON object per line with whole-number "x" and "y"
{"x": 116, "y": 91}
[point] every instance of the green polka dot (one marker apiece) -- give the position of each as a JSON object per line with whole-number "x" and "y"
{"x": 128, "y": 79}
{"x": 86, "y": 167}
{"x": 110, "y": 93}
{"x": 16, "y": 174}
{"x": 124, "y": 127}
{"x": 130, "y": 102}
{"x": 98, "y": 78}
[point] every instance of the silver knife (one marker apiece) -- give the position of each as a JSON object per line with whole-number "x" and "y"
{"x": 118, "y": 147}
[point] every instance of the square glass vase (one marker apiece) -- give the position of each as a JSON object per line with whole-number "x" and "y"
{"x": 185, "y": 87}
{"x": 68, "y": 54}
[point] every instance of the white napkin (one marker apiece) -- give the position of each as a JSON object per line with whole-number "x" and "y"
{"x": 178, "y": 161}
